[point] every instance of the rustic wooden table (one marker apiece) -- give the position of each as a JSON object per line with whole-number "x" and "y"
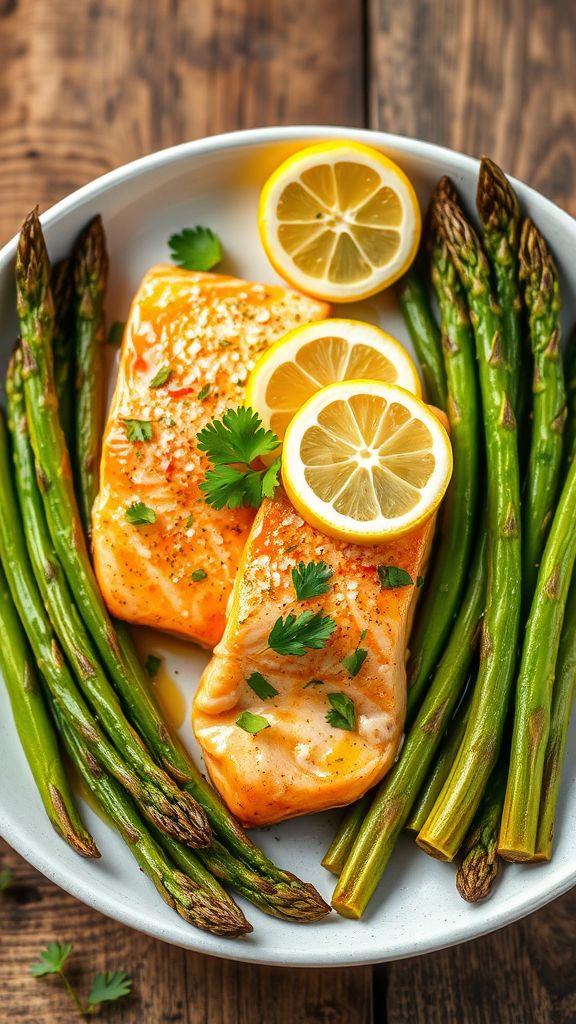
{"x": 86, "y": 85}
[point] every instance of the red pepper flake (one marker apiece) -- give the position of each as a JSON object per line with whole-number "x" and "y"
{"x": 140, "y": 365}
{"x": 182, "y": 392}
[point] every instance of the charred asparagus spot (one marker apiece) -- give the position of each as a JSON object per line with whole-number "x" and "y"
{"x": 542, "y": 297}
{"x": 458, "y": 802}
{"x": 447, "y": 577}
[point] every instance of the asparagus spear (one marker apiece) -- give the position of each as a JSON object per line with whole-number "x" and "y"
{"x": 339, "y": 850}
{"x": 519, "y": 827}
{"x": 61, "y": 285}
{"x": 68, "y": 625}
{"x": 396, "y": 794}
{"x": 458, "y": 802}
{"x": 446, "y": 581}
{"x": 480, "y": 862}
{"x": 570, "y": 379}
{"x": 50, "y": 661}
{"x": 425, "y": 336}
{"x": 542, "y": 296}
{"x": 90, "y": 280}
{"x": 441, "y": 768}
{"x": 562, "y": 700}
{"x": 193, "y": 893}
{"x": 233, "y": 857}
{"x": 499, "y": 212}
{"x": 115, "y": 645}
{"x": 35, "y": 728}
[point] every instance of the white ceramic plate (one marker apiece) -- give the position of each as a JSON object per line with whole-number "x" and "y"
{"x": 216, "y": 182}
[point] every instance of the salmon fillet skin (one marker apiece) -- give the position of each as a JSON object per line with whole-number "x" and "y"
{"x": 301, "y": 763}
{"x": 207, "y": 330}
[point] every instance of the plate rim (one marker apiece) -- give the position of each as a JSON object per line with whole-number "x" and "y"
{"x": 498, "y": 916}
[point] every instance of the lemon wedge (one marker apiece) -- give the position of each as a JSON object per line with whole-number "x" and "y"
{"x": 339, "y": 220}
{"x": 365, "y": 461}
{"x": 317, "y": 354}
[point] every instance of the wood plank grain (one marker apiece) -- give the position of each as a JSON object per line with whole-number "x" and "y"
{"x": 171, "y": 986}
{"x": 483, "y": 77}
{"x": 496, "y": 78}
{"x": 87, "y": 85}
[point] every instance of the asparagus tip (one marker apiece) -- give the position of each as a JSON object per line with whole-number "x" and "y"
{"x": 79, "y": 839}
{"x": 496, "y": 200}
{"x": 479, "y": 867}
{"x": 204, "y": 910}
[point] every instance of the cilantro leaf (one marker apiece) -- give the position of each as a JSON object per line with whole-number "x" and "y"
{"x": 6, "y": 879}
{"x": 236, "y": 488}
{"x": 353, "y": 662}
{"x": 313, "y": 682}
{"x": 52, "y": 959}
{"x": 311, "y": 580}
{"x": 392, "y": 576}
{"x": 109, "y": 986}
{"x": 198, "y": 574}
{"x": 162, "y": 376}
{"x": 195, "y": 248}
{"x": 138, "y": 514}
{"x": 116, "y": 332}
{"x": 261, "y": 687}
{"x": 343, "y": 713}
{"x": 138, "y": 430}
{"x": 293, "y": 635}
{"x": 252, "y": 723}
{"x": 204, "y": 392}
{"x": 152, "y": 664}
{"x": 238, "y": 437}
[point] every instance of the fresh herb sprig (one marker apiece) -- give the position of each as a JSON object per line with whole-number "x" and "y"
{"x": 261, "y": 687}
{"x": 195, "y": 248}
{"x": 232, "y": 444}
{"x": 295, "y": 634}
{"x": 343, "y": 713}
{"x": 353, "y": 662}
{"x": 392, "y": 576}
{"x": 105, "y": 987}
{"x": 311, "y": 580}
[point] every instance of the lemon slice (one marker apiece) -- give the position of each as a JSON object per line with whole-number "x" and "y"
{"x": 365, "y": 461}
{"x": 314, "y": 355}
{"x": 339, "y": 220}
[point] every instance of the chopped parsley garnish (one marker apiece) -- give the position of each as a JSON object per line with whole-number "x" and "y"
{"x": 353, "y": 662}
{"x": 138, "y": 430}
{"x": 198, "y": 574}
{"x": 195, "y": 248}
{"x": 204, "y": 392}
{"x": 161, "y": 377}
{"x": 293, "y": 635}
{"x": 139, "y": 514}
{"x": 152, "y": 664}
{"x": 311, "y": 580}
{"x": 252, "y": 723}
{"x": 116, "y": 333}
{"x": 392, "y": 576}
{"x": 313, "y": 682}
{"x": 343, "y": 713}
{"x": 189, "y": 521}
{"x": 168, "y": 421}
{"x": 106, "y": 987}
{"x": 232, "y": 444}
{"x": 261, "y": 687}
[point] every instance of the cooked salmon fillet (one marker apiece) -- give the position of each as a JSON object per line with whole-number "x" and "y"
{"x": 301, "y": 763}
{"x": 207, "y": 329}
